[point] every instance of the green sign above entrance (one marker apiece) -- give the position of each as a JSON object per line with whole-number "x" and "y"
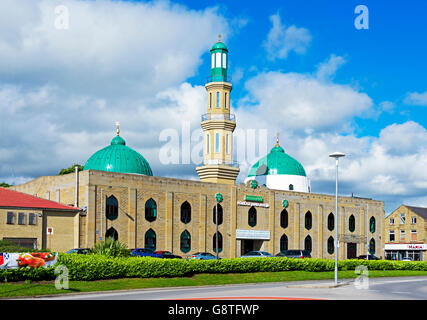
{"x": 253, "y": 198}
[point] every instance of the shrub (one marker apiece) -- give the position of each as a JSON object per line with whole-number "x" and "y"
{"x": 111, "y": 248}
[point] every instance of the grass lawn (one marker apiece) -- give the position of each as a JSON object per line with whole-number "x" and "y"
{"x": 20, "y": 289}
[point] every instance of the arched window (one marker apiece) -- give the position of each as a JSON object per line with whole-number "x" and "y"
{"x": 351, "y": 223}
{"x": 284, "y": 219}
{"x": 112, "y": 233}
{"x": 291, "y": 187}
{"x": 331, "y": 245}
{"x": 150, "y": 239}
{"x": 150, "y": 210}
{"x": 331, "y": 221}
{"x": 283, "y": 243}
{"x": 372, "y": 225}
{"x": 308, "y": 220}
{"x": 185, "y": 241}
{"x": 220, "y": 216}
{"x": 307, "y": 243}
{"x": 252, "y": 217}
{"x": 217, "y": 99}
{"x": 372, "y": 246}
{"x": 185, "y": 212}
{"x": 219, "y": 242}
{"x": 111, "y": 208}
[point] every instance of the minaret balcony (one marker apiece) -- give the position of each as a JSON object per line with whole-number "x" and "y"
{"x": 221, "y": 162}
{"x": 218, "y": 116}
{"x": 218, "y": 78}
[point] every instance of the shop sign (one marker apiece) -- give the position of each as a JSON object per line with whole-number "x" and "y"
{"x": 255, "y": 204}
{"x": 405, "y": 246}
{"x": 253, "y": 234}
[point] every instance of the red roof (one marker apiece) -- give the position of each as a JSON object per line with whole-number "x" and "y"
{"x": 11, "y": 198}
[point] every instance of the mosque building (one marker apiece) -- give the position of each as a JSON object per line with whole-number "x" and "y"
{"x": 274, "y": 210}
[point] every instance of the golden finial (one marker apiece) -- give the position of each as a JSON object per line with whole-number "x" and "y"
{"x": 219, "y": 38}
{"x": 118, "y": 127}
{"x": 277, "y": 139}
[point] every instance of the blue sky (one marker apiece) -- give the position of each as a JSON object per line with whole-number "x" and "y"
{"x": 300, "y": 68}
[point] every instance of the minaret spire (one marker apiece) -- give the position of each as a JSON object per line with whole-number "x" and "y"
{"x": 118, "y": 127}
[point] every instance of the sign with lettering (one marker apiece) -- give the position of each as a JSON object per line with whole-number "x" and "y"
{"x": 254, "y": 204}
{"x": 405, "y": 246}
{"x": 253, "y": 234}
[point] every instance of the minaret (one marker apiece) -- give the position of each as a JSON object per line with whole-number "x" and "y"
{"x": 218, "y": 123}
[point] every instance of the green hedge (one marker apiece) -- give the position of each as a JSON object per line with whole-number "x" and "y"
{"x": 98, "y": 267}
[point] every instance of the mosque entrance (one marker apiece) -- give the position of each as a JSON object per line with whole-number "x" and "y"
{"x": 351, "y": 250}
{"x": 250, "y": 245}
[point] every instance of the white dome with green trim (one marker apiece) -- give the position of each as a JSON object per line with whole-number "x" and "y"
{"x": 278, "y": 170}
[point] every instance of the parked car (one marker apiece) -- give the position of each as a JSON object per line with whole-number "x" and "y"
{"x": 145, "y": 252}
{"x": 371, "y": 257}
{"x": 202, "y": 256}
{"x": 299, "y": 254}
{"x": 407, "y": 259}
{"x": 256, "y": 254}
{"x": 168, "y": 255}
{"x": 79, "y": 251}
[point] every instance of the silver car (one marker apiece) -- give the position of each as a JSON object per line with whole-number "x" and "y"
{"x": 256, "y": 254}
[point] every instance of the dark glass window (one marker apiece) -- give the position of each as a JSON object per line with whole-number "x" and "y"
{"x": 32, "y": 218}
{"x": 331, "y": 221}
{"x": 10, "y": 218}
{"x": 308, "y": 220}
{"x": 185, "y": 212}
{"x": 219, "y": 242}
{"x": 185, "y": 241}
{"x": 150, "y": 210}
{"x": 112, "y": 208}
{"x": 331, "y": 245}
{"x": 21, "y": 218}
{"x": 220, "y": 214}
{"x": 372, "y": 246}
{"x": 150, "y": 239}
{"x": 372, "y": 225}
{"x": 307, "y": 244}
{"x": 252, "y": 217}
{"x": 351, "y": 223}
{"x": 284, "y": 219}
{"x": 283, "y": 243}
{"x": 112, "y": 233}
{"x": 291, "y": 187}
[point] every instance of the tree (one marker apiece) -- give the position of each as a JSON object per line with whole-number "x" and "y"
{"x": 70, "y": 169}
{"x": 5, "y": 185}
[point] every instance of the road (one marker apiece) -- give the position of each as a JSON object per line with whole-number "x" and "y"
{"x": 411, "y": 288}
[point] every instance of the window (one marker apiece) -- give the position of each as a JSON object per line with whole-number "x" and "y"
{"x": 391, "y": 237}
{"x": 402, "y": 218}
{"x": 217, "y": 99}
{"x": 413, "y": 235}
{"x": 372, "y": 225}
{"x": 30, "y": 243}
{"x": 283, "y": 243}
{"x": 224, "y": 60}
{"x": 112, "y": 208}
{"x": 402, "y": 235}
{"x": 225, "y": 100}
{"x": 218, "y": 60}
{"x": 32, "y": 219}
{"x": 307, "y": 244}
{"x": 150, "y": 210}
{"x": 185, "y": 212}
{"x": 216, "y": 142}
{"x": 219, "y": 214}
{"x": 308, "y": 220}
{"x": 413, "y": 220}
{"x": 219, "y": 242}
{"x": 391, "y": 221}
{"x": 331, "y": 245}
{"x": 10, "y": 218}
{"x": 351, "y": 223}
{"x": 185, "y": 241}
{"x": 207, "y": 142}
{"x": 284, "y": 219}
{"x": 112, "y": 233}
{"x": 331, "y": 221}
{"x": 226, "y": 143}
{"x": 213, "y": 61}
{"x": 150, "y": 239}
{"x": 372, "y": 246}
{"x": 291, "y": 187}
{"x": 252, "y": 217}
{"x": 210, "y": 100}
{"x": 21, "y": 218}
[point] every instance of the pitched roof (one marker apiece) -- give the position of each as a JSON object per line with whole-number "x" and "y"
{"x": 11, "y": 198}
{"x": 418, "y": 210}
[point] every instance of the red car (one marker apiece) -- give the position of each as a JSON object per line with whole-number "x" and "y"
{"x": 168, "y": 255}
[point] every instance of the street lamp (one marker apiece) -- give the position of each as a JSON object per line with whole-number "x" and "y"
{"x": 336, "y": 155}
{"x": 218, "y": 198}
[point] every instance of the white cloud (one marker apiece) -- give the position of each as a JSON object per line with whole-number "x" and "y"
{"x": 326, "y": 70}
{"x": 281, "y": 40}
{"x": 416, "y": 99}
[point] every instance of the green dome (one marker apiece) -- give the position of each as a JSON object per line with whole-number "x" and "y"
{"x": 118, "y": 157}
{"x": 219, "y": 45}
{"x": 277, "y": 162}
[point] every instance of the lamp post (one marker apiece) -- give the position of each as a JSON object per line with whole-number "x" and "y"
{"x": 219, "y": 199}
{"x": 336, "y": 155}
